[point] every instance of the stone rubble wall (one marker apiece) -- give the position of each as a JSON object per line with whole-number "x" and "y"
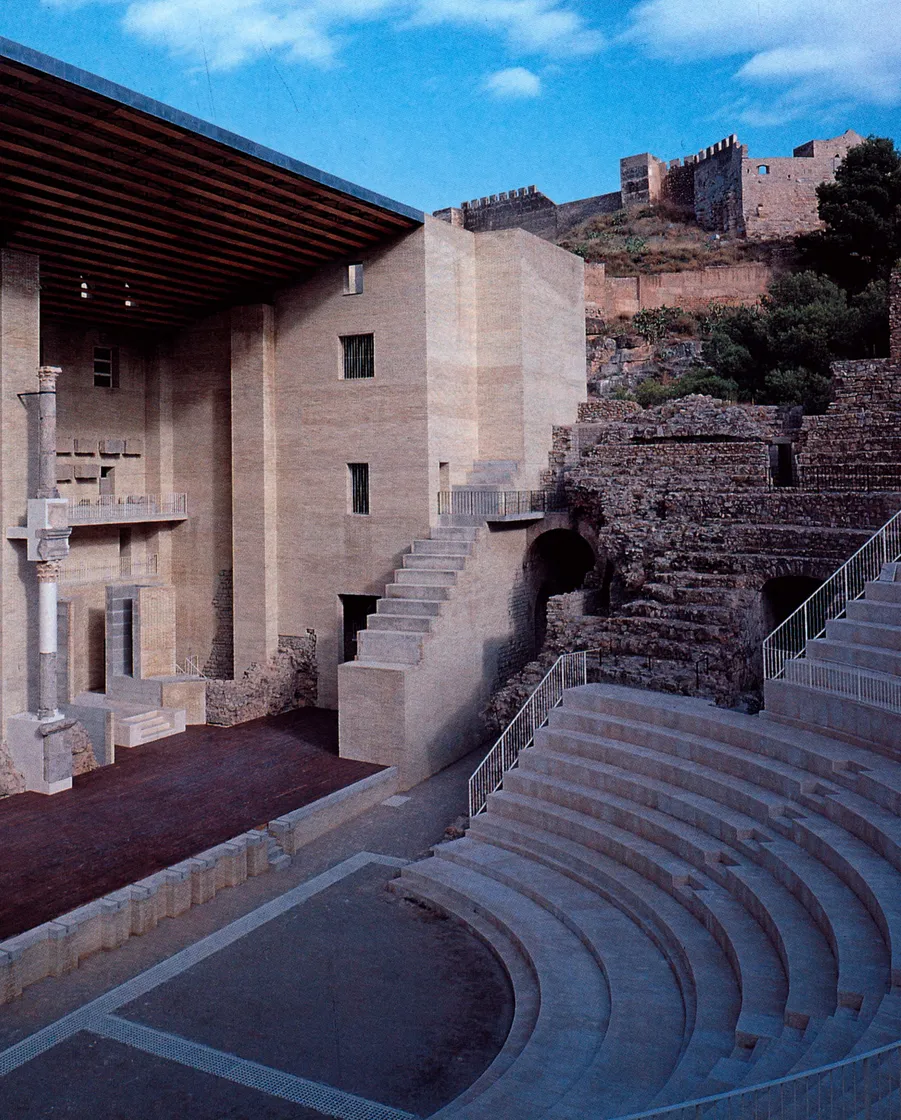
{"x": 288, "y": 681}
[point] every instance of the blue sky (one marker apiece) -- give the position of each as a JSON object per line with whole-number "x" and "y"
{"x": 436, "y": 101}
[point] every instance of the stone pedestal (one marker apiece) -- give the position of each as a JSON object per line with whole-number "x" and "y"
{"x": 43, "y": 760}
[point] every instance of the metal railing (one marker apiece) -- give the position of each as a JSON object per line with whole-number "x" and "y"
{"x": 131, "y": 507}
{"x": 568, "y": 671}
{"x": 789, "y": 640}
{"x": 500, "y": 503}
{"x": 881, "y": 692}
{"x": 190, "y": 668}
{"x": 863, "y": 1087}
{"x": 108, "y": 573}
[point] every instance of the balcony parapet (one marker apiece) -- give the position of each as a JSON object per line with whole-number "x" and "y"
{"x": 114, "y": 509}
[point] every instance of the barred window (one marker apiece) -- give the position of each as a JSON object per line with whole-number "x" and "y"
{"x": 353, "y": 280}
{"x": 359, "y": 356}
{"x": 106, "y": 367}
{"x": 358, "y": 487}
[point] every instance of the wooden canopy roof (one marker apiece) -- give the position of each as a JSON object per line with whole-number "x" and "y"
{"x": 163, "y": 216}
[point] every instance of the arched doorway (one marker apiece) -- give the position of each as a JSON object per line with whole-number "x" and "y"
{"x": 781, "y": 596}
{"x": 556, "y": 563}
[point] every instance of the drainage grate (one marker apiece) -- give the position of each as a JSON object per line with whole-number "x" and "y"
{"x": 275, "y": 1083}
{"x": 44, "y": 1040}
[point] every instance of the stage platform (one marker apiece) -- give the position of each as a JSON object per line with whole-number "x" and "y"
{"x": 159, "y": 804}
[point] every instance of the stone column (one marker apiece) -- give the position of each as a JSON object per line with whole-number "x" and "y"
{"x": 48, "y": 585}
{"x": 47, "y": 376}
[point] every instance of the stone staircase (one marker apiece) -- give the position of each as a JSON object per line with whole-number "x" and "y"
{"x": 859, "y": 657}
{"x": 412, "y": 606}
{"x": 692, "y": 901}
{"x": 133, "y": 724}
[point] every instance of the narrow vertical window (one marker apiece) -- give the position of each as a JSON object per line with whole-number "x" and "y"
{"x": 106, "y": 367}
{"x": 353, "y": 280}
{"x": 358, "y": 483}
{"x": 359, "y": 356}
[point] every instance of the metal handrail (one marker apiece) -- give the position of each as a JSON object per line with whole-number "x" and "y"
{"x": 862, "y": 1087}
{"x": 789, "y": 640}
{"x": 500, "y": 503}
{"x": 131, "y": 507}
{"x": 568, "y": 671}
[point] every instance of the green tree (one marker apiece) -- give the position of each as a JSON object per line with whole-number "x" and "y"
{"x": 861, "y": 210}
{"x": 781, "y": 352}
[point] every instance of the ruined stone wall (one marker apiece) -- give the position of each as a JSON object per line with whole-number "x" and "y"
{"x": 894, "y": 316}
{"x": 862, "y": 426}
{"x": 529, "y": 209}
{"x": 781, "y": 201}
{"x": 526, "y": 208}
{"x": 730, "y": 285}
{"x": 718, "y": 184}
{"x": 288, "y": 681}
{"x": 641, "y": 179}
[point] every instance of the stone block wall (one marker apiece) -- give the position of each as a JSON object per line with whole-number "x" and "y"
{"x": 287, "y": 681}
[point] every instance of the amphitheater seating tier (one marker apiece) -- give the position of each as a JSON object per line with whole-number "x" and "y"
{"x": 730, "y": 884}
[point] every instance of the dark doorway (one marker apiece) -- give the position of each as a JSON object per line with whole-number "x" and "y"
{"x": 557, "y": 563}
{"x": 782, "y": 596}
{"x": 355, "y": 609}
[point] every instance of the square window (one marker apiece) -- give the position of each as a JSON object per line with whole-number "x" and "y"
{"x": 353, "y": 280}
{"x": 359, "y": 356}
{"x": 106, "y": 367}
{"x": 358, "y": 487}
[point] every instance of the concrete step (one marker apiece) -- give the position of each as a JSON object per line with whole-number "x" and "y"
{"x": 389, "y": 647}
{"x": 455, "y": 533}
{"x": 874, "y": 610}
{"x": 573, "y": 1002}
{"x": 410, "y": 623}
{"x": 883, "y": 591}
{"x": 646, "y": 1025}
{"x": 146, "y": 727}
{"x": 418, "y": 592}
{"x": 878, "y": 658}
{"x": 423, "y": 561}
{"x": 423, "y": 577}
{"x": 442, "y": 547}
{"x": 430, "y": 608}
{"x": 831, "y": 710}
{"x": 682, "y": 828}
{"x": 807, "y": 960}
{"x": 861, "y": 633}
{"x": 707, "y": 980}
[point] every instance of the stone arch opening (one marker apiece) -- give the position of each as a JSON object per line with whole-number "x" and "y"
{"x": 783, "y": 595}
{"x": 556, "y": 563}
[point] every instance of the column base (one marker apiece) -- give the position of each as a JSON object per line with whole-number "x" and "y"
{"x": 45, "y": 762}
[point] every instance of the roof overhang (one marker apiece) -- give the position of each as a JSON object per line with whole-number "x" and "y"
{"x": 164, "y": 216}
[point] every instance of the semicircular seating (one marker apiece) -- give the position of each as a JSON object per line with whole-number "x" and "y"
{"x": 721, "y": 892}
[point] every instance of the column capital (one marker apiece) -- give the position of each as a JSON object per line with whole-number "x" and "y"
{"x": 47, "y": 376}
{"x": 48, "y": 571}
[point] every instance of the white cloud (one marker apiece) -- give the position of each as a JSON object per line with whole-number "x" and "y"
{"x": 513, "y": 83}
{"x": 226, "y": 33}
{"x": 808, "y": 52}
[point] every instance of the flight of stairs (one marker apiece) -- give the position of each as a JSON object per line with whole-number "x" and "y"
{"x": 409, "y": 611}
{"x": 147, "y": 727}
{"x": 690, "y": 900}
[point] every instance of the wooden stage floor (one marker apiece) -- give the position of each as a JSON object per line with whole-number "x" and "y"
{"x": 161, "y": 803}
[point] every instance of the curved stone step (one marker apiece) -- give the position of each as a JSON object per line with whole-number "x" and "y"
{"x": 644, "y": 1035}
{"x": 863, "y": 869}
{"x": 852, "y": 935}
{"x": 710, "y": 994}
{"x": 573, "y": 1000}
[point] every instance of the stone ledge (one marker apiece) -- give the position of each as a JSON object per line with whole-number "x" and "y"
{"x": 294, "y": 830}
{"x": 59, "y": 946}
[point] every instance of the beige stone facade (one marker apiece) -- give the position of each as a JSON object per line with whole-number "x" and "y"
{"x": 224, "y": 447}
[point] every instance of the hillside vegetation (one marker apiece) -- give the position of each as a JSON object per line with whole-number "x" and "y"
{"x": 659, "y": 239}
